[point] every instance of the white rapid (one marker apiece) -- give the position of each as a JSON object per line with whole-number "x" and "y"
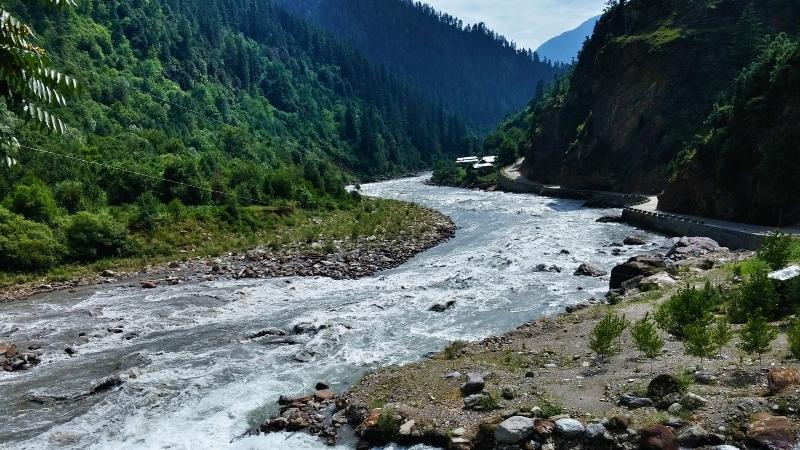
{"x": 192, "y": 381}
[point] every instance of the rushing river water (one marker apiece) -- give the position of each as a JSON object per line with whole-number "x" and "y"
{"x": 191, "y": 379}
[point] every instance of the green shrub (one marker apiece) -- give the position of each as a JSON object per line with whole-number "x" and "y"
{"x": 721, "y": 335}
{"x": 550, "y": 406}
{"x": 645, "y": 336}
{"x": 489, "y": 402}
{"x": 92, "y": 236}
{"x": 686, "y": 308}
{"x": 148, "y": 212}
{"x": 794, "y": 338}
{"x": 756, "y": 294}
{"x": 33, "y": 201}
{"x": 605, "y": 335}
{"x": 776, "y": 250}
{"x": 26, "y": 245}
{"x": 75, "y": 196}
{"x": 388, "y": 424}
{"x": 757, "y": 335}
{"x": 698, "y": 341}
{"x": 454, "y": 349}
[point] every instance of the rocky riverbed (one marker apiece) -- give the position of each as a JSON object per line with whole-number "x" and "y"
{"x": 539, "y": 387}
{"x": 341, "y": 259}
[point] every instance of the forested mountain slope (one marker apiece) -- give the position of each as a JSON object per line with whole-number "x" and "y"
{"x": 233, "y": 96}
{"x": 642, "y": 89}
{"x": 474, "y": 71}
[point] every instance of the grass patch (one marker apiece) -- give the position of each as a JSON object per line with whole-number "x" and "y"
{"x": 550, "y": 406}
{"x": 664, "y": 35}
{"x": 202, "y": 232}
{"x": 454, "y": 349}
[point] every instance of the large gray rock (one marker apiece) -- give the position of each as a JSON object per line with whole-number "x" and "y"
{"x": 514, "y": 430}
{"x": 633, "y": 402}
{"x": 474, "y": 385}
{"x": 639, "y": 266}
{"x": 590, "y": 270}
{"x": 693, "y": 401}
{"x": 597, "y": 435}
{"x": 569, "y": 428}
{"x": 693, "y": 437}
{"x": 693, "y": 246}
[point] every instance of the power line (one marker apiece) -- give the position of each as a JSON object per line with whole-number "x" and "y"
{"x": 153, "y": 177}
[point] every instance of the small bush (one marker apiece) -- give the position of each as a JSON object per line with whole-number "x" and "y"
{"x": 757, "y": 294}
{"x": 605, "y": 335}
{"x": 34, "y": 202}
{"x": 794, "y": 338}
{"x": 687, "y": 308}
{"x": 721, "y": 335}
{"x": 26, "y": 245}
{"x": 776, "y": 250}
{"x": 550, "y": 406}
{"x": 388, "y": 425}
{"x": 454, "y": 349}
{"x": 645, "y": 336}
{"x": 489, "y": 402}
{"x": 92, "y": 236}
{"x": 698, "y": 341}
{"x": 757, "y": 335}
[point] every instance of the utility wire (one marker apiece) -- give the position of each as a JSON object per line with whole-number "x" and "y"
{"x": 153, "y": 177}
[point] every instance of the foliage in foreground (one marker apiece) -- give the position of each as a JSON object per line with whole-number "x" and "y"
{"x": 604, "y": 339}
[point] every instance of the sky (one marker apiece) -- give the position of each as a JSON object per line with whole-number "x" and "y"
{"x": 529, "y": 23}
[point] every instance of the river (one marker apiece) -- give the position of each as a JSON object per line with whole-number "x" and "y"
{"x": 191, "y": 379}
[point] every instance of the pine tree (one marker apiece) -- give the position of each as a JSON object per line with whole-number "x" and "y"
{"x": 645, "y": 336}
{"x": 757, "y": 335}
{"x": 747, "y": 36}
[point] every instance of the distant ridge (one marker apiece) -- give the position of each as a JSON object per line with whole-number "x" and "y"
{"x": 565, "y": 47}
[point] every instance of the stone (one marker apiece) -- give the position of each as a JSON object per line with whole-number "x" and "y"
{"x": 474, "y": 385}
{"x": 575, "y": 308}
{"x": 108, "y": 274}
{"x": 70, "y": 351}
{"x": 693, "y": 246}
{"x": 8, "y": 350}
{"x": 106, "y": 384}
{"x": 442, "y": 307}
{"x": 324, "y": 395}
{"x": 459, "y": 443}
{"x": 661, "y": 386}
{"x": 634, "y": 241}
{"x": 675, "y": 409}
{"x": 618, "y": 423}
{"x": 474, "y": 401}
{"x": 453, "y": 375}
{"x": 693, "y": 437}
{"x": 590, "y": 270}
{"x": 644, "y": 266}
{"x": 772, "y": 432}
{"x": 693, "y": 401}
{"x": 149, "y": 285}
{"x": 609, "y": 219}
{"x": 322, "y": 386}
{"x": 458, "y": 432}
{"x": 705, "y": 378}
{"x": 597, "y": 434}
{"x": 508, "y": 393}
{"x": 405, "y": 429}
{"x": 514, "y": 430}
{"x": 724, "y": 447}
{"x": 633, "y": 402}
{"x": 658, "y": 281}
{"x": 248, "y": 272}
{"x": 658, "y": 437}
{"x": 569, "y": 428}
{"x": 779, "y": 379}
{"x": 544, "y": 428}
{"x": 786, "y": 274}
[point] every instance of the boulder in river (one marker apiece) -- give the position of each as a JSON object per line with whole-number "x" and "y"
{"x": 442, "y": 307}
{"x": 590, "y": 270}
{"x": 639, "y": 266}
{"x": 692, "y": 246}
{"x": 772, "y": 432}
{"x": 634, "y": 241}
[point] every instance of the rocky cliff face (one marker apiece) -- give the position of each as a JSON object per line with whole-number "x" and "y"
{"x": 642, "y": 88}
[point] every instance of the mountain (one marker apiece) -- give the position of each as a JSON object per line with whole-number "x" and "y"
{"x": 472, "y": 70}
{"x": 565, "y": 47}
{"x": 665, "y": 97}
{"x": 180, "y": 102}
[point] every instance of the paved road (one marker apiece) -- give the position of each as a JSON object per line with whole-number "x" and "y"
{"x": 651, "y": 206}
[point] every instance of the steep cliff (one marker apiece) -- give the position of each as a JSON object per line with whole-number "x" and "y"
{"x": 642, "y": 88}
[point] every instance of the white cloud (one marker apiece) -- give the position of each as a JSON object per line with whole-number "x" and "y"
{"x": 527, "y": 22}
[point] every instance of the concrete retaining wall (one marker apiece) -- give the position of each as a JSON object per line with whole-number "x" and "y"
{"x": 669, "y": 224}
{"x": 674, "y": 225}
